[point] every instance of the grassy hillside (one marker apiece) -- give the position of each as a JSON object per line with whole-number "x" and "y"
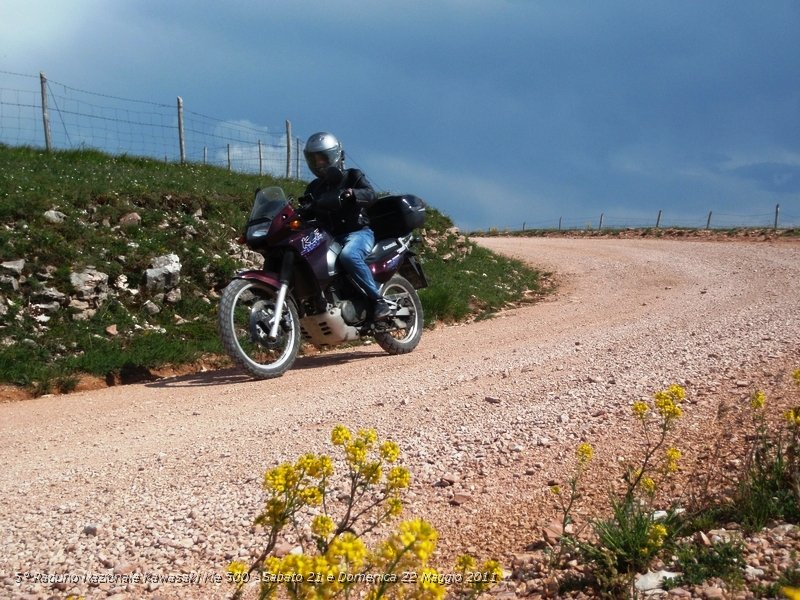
{"x": 68, "y": 218}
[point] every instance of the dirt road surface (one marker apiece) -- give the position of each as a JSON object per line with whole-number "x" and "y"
{"x": 163, "y": 479}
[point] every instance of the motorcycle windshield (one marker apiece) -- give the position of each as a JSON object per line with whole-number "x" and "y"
{"x": 268, "y": 203}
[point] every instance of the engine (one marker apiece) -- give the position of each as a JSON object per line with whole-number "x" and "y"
{"x": 351, "y": 313}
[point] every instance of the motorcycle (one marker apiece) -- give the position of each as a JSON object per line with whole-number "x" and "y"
{"x": 301, "y": 293}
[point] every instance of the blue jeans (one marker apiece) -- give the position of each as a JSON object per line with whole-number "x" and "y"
{"x": 355, "y": 248}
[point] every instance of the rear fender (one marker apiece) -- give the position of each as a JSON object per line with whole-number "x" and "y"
{"x": 411, "y": 269}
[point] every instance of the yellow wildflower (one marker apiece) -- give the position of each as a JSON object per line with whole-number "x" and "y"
{"x": 648, "y": 485}
{"x": 430, "y": 584}
{"x": 340, "y": 435}
{"x": 667, "y": 402}
{"x": 398, "y": 478}
{"x": 585, "y": 453}
{"x": 390, "y": 451}
{"x": 296, "y": 564}
{"x": 237, "y": 568}
{"x": 667, "y": 406}
{"x": 672, "y": 455}
{"x": 793, "y": 416}
{"x": 555, "y": 490}
{"x": 322, "y": 526}
{"x": 419, "y": 537}
{"x": 796, "y": 376}
{"x": 348, "y": 548}
{"x": 493, "y": 568}
{"x": 281, "y": 478}
{"x": 320, "y": 466}
{"x": 311, "y": 496}
{"x": 275, "y": 511}
{"x": 272, "y": 565}
{"x": 640, "y": 409}
{"x": 369, "y": 436}
{"x": 678, "y": 392}
{"x": 355, "y": 453}
{"x": 791, "y": 592}
{"x": 394, "y": 506}
{"x": 372, "y": 472}
{"x": 388, "y": 551}
{"x": 656, "y": 535}
{"x": 465, "y": 563}
{"x": 757, "y": 400}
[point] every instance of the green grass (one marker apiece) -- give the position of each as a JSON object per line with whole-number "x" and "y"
{"x": 191, "y": 210}
{"x": 698, "y": 562}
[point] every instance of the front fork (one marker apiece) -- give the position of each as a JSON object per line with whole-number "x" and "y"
{"x": 287, "y": 265}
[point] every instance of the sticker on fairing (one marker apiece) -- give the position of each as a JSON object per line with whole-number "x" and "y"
{"x": 311, "y": 241}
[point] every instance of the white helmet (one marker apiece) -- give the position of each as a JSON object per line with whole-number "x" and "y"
{"x": 323, "y": 145}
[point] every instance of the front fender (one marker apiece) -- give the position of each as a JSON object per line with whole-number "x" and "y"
{"x": 270, "y": 279}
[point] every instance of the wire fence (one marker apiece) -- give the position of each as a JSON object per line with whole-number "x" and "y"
{"x": 39, "y": 112}
{"x": 776, "y": 219}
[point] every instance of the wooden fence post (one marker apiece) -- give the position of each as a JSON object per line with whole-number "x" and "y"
{"x": 229, "y": 157}
{"x": 45, "y": 114}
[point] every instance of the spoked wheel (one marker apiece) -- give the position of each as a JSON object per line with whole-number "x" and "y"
{"x": 246, "y": 314}
{"x": 405, "y": 327}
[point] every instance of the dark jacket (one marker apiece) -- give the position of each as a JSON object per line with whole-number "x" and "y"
{"x": 340, "y": 216}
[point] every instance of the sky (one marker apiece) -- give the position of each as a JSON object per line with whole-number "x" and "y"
{"x": 499, "y": 113}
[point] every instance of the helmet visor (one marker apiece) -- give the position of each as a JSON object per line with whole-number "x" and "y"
{"x": 318, "y": 162}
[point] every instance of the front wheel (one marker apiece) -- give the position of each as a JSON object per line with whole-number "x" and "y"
{"x": 246, "y": 314}
{"x": 406, "y": 325}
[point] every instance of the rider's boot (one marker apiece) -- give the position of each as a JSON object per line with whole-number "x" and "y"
{"x": 382, "y": 309}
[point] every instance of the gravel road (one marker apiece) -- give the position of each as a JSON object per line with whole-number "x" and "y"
{"x": 164, "y": 478}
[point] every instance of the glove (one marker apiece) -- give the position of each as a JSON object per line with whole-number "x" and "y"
{"x": 348, "y": 195}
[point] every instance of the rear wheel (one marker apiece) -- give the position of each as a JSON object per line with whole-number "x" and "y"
{"x": 246, "y": 314}
{"x": 406, "y": 326}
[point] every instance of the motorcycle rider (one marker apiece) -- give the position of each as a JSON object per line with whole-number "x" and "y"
{"x": 339, "y": 204}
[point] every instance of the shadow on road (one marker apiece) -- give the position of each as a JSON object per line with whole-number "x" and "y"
{"x": 233, "y": 375}
{"x": 333, "y": 359}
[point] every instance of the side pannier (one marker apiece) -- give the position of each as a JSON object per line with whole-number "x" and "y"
{"x": 396, "y": 216}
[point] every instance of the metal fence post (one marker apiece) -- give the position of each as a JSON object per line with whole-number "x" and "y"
{"x": 288, "y": 149}
{"x": 777, "y": 214}
{"x": 45, "y": 115}
{"x": 260, "y": 160}
{"x": 708, "y": 223}
{"x": 297, "y": 159}
{"x": 658, "y": 220}
{"x": 180, "y": 130}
